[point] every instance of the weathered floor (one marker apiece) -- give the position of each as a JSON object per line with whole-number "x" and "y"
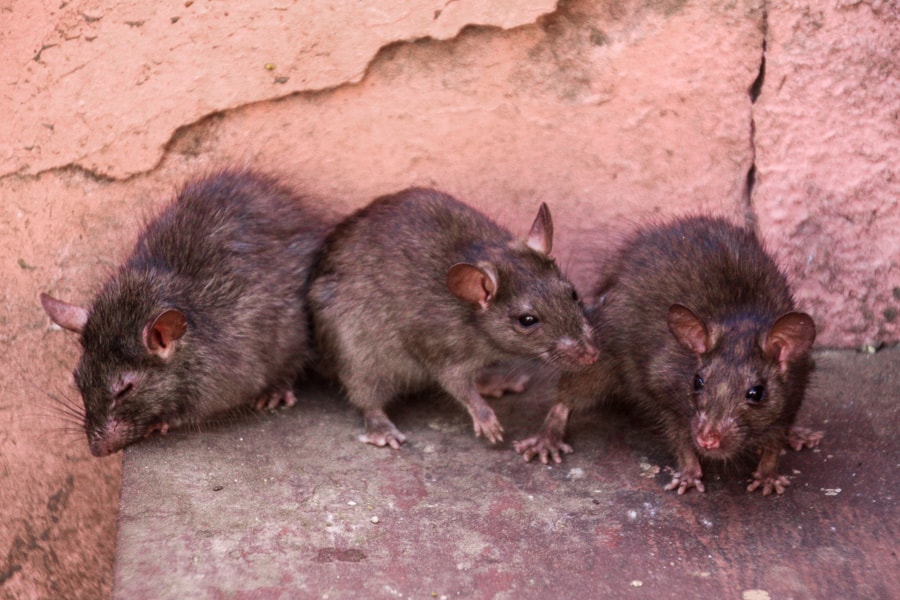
{"x": 290, "y": 505}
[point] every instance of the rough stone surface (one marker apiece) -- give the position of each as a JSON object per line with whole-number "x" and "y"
{"x": 104, "y": 84}
{"x": 286, "y": 505}
{"x": 828, "y": 161}
{"x": 609, "y": 111}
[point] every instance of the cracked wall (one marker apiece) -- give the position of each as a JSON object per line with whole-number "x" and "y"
{"x": 611, "y": 112}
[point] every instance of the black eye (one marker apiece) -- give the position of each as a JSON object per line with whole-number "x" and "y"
{"x": 528, "y": 321}
{"x": 574, "y": 295}
{"x": 756, "y": 394}
{"x": 698, "y": 383}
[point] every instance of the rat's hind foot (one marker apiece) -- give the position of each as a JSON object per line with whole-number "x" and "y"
{"x": 273, "y": 400}
{"x": 380, "y": 431}
{"x": 494, "y": 384}
{"x": 803, "y": 437}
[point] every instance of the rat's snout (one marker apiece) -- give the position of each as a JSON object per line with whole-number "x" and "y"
{"x": 589, "y": 351}
{"x": 107, "y": 439}
{"x": 709, "y": 440}
{"x": 577, "y": 352}
{"x": 715, "y": 436}
{"x": 588, "y": 354}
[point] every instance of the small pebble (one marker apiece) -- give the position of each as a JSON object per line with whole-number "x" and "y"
{"x": 374, "y": 519}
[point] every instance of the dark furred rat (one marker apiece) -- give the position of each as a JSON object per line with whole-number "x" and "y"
{"x": 698, "y": 329}
{"x": 206, "y": 315}
{"x": 418, "y": 288}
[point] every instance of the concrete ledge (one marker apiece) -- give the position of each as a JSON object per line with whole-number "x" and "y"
{"x": 290, "y": 505}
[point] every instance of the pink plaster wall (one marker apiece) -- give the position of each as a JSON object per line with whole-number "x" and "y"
{"x": 608, "y": 111}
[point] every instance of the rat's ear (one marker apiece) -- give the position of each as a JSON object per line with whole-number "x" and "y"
{"x": 688, "y": 329}
{"x": 161, "y": 335}
{"x": 68, "y": 316}
{"x": 540, "y": 238}
{"x": 790, "y": 338}
{"x": 474, "y": 284}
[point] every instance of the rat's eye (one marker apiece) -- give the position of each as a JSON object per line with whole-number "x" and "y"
{"x": 124, "y": 391}
{"x": 574, "y": 295}
{"x": 527, "y": 321}
{"x": 756, "y": 394}
{"x": 698, "y": 383}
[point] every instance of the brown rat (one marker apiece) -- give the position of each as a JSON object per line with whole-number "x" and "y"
{"x": 418, "y": 288}
{"x": 207, "y": 314}
{"x": 698, "y": 329}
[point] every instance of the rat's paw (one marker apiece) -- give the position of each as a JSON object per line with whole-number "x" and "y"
{"x": 494, "y": 385}
{"x": 682, "y": 482}
{"x": 544, "y": 447}
{"x": 276, "y": 399}
{"x": 803, "y": 437}
{"x": 383, "y": 438}
{"x": 380, "y": 431}
{"x": 769, "y": 483}
{"x": 489, "y": 427}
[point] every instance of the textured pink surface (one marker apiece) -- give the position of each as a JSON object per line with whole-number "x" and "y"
{"x": 608, "y": 111}
{"x": 828, "y": 159}
{"x": 104, "y": 84}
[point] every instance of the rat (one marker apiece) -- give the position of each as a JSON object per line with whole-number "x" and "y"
{"x": 418, "y": 288}
{"x": 698, "y": 330}
{"x": 207, "y": 314}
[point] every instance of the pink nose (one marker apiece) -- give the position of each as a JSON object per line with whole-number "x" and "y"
{"x": 589, "y": 354}
{"x": 708, "y": 441}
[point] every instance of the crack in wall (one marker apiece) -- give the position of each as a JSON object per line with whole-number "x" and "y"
{"x": 754, "y": 92}
{"x": 186, "y": 133}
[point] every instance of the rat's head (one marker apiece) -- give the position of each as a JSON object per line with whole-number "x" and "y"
{"x": 129, "y": 374}
{"x": 524, "y": 304}
{"x": 746, "y": 379}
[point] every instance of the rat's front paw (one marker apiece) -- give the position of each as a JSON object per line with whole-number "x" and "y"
{"x": 383, "y": 438}
{"x": 544, "y": 447}
{"x": 769, "y": 483}
{"x": 488, "y": 426}
{"x": 683, "y": 481}
{"x": 380, "y": 431}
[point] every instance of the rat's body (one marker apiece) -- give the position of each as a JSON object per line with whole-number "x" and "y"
{"x": 699, "y": 331}
{"x": 418, "y": 289}
{"x": 206, "y": 315}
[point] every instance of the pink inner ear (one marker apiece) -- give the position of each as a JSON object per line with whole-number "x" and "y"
{"x": 688, "y": 329}
{"x": 166, "y": 329}
{"x": 540, "y": 238}
{"x": 791, "y": 337}
{"x": 470, "y": 283}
